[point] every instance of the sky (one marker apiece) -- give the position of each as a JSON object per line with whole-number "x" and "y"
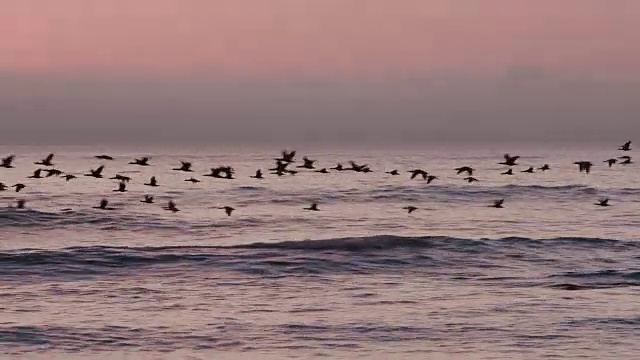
{"x": 330, "y": 70}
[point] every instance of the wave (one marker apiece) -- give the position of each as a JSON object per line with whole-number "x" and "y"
{"x": 420, "y": 191}
{"x": 110, "y": 220}
{"x": 382, "y": 253}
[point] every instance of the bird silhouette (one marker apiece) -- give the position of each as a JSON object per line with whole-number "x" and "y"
{"x": 626, "y": 160}
{"x": 469, "y": 170}
{"x": 152, "y": 182}
{"x": 509, "y": 160}
{"x": 626, "y": 146}
{"x": 120, "y": 178}
{"x": 313, "y": 207}
{"x": 258, "y": 175}
{"x": 97, "y": 173}
{"x": 122, "y": 187}
{"x": 19, "y": 187}
{"x": 185, "y": 166}
{"x": 308, "y": 163}
{"x": 171, "y": 206}
{"x": 410, "y": 209}
{"x": 228, "y": 210}
{"x": 584, "y": 166}
{"x": 142, "y": 161}
{"x": 7, "y": 162}
{"x": 36, "y": 174}
{"x": 103, "y": 205}
{"x": 46, "y": 161}
{"x": 418, "y": 172}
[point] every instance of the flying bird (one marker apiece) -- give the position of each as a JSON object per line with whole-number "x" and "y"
{"x": 410, "y": 209}
{"x": 626, "y": 146}
{"x": 103, "y": 205}
{"x": 584, "y": 166}
{"x": 53, "y": 172}
{"x": 7, "y": 162}
{"x": 287, "y": 157}
{"x": 185, "y": 166}
{"x": 227, "y": 209}
{"x": 497, "y": 204}
{"x": 469, "y": 170}
{"x": 103, "y": 157}
{"x": 46, "y": 161}
{"x": 36, "y": 174}
{"x": 148, "y": 199}
{"x": 611, "y": 161}
{"x": 258, "y": 175}
{"x": 122, "y": 187}
{"x": 308, "y": 163}
{"x": 19, "y": 187}
{"x": 142, "y": 161}
{"x": 509, "y": 160}
{"x": 418, "y": 172}
{"x": 626, "y": 160}
{"x": 152, "y": 182}
{"x": 97, "y": 173}
{"x": 603, "y": 202}
{"x": 20, "y": 204}
{"x": 313, "y": 207}
{"x": 121, "y": 178}
{"x": 171, "y": 206}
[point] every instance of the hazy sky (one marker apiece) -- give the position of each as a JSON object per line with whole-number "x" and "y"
{"x": 319, "y": 69}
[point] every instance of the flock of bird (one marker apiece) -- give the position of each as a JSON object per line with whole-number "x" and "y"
{"x": 283, "y": 166}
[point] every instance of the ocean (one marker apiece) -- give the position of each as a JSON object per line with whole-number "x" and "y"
{"x": 550, "y": 275}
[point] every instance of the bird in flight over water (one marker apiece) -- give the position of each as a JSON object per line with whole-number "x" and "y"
{"x": 410, "y": 209}
{"x": 509, "y": 160}
{"x": 103, "y": 205}
{"x": 626, "y": 146}
{"x": 584, "y": 166}
{"x": 313, "y": 207}
{"x": 46, "y": 161}
{"x": 171, "y": 206}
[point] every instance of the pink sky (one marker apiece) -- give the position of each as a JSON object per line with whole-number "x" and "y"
{"x": 290, "y": 38}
